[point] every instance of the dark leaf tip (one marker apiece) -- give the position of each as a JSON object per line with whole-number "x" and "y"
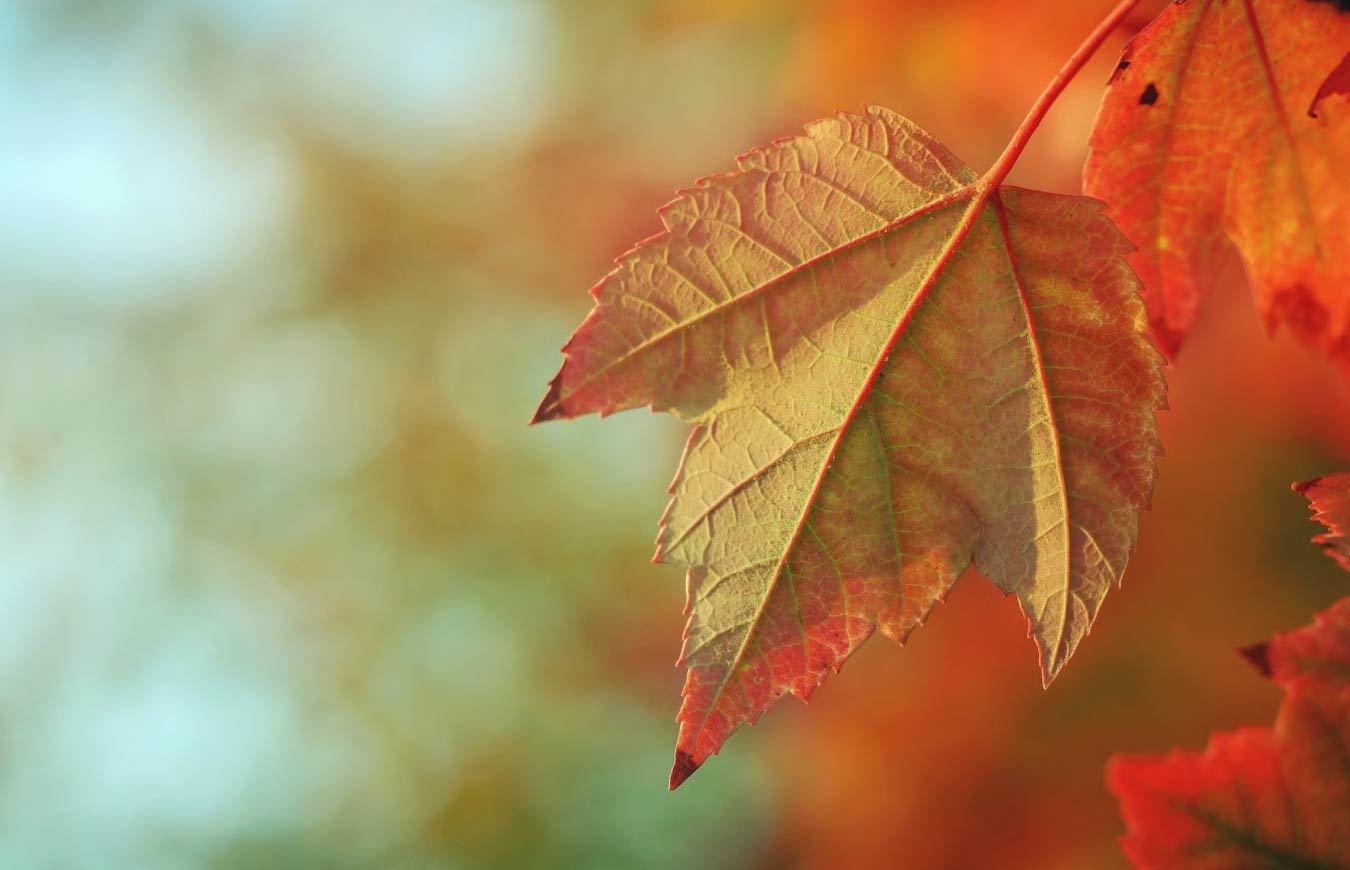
{"x": 685, "y": 765}
{"x": 551, "y": 407}
{"x": 1258, "y": 654}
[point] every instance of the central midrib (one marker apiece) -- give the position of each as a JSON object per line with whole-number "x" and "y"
{"x": 1052, "y": 663}
{"x": 981, "y": 198}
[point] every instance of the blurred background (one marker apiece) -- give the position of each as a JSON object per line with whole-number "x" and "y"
{"x": 285, "y": 581}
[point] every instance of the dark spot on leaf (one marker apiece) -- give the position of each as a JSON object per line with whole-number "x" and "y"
{"x": 1341, "y": 5}
{"x": 1259, "y": 655}
{"x": 1120, "y": 68}
{"x": 1149, "y": 96}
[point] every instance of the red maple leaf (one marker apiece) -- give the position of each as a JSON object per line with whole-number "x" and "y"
{"x": 1227, "y": 126}
{"x": 1259, "y": 797}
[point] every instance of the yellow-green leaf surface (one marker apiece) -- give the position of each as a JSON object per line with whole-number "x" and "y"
{"x": 894, "y": 369}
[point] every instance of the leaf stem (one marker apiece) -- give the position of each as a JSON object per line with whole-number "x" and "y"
{"x": 1004, "y": 164}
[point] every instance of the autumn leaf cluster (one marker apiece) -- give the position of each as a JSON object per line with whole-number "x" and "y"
{"x": 897, "y": 368}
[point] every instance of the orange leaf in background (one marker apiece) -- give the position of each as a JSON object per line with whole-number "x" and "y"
{"x": 895, "y": 369}
{"x": 1209, "y": 137}
{"x": 1259, "y": 797}
{"x": 1329, "y": 498}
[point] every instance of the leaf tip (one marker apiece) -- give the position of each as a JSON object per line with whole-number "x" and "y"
{"x": 1258, "y": 655}
{"x": 1301, "y": 487}
{"x": 1050, "y": 668}
{"x": 1336, "y": 82}
{"x": 685, "y": 765}
{"x": 551, "y": 407}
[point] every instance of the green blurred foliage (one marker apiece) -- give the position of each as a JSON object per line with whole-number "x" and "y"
{"x": 288, "y": 581}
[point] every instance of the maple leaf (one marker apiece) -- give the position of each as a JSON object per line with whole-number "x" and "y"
{"x": 1329, "y": 498}
{"x": 1257, "y": 797}
{"x": 895, "y": 368}
{"x": 1227, "y": 123}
